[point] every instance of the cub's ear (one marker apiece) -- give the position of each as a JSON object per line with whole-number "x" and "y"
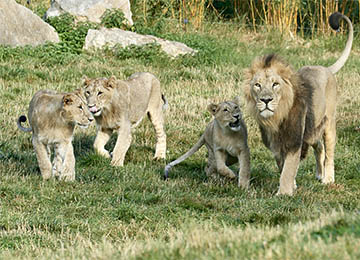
{"x": 68, "y": 100}
{"x": 213, "y": 108}
{"x": 85, "y": 80}
{"x": 237, "y": 100}
{"x": 111, "y": 82}
{"x": 80, "y": 92}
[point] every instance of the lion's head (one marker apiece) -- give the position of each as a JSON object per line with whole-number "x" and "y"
{"x": 98, "y": 93}
{"x": 227, "y": 114}
{"x": 270, "y": 90}
{"x": 74, "y": 109}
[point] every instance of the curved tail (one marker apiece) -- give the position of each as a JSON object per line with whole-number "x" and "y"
{"x": 23, "y": 119}
{"x": 334, "y": 21}
{"x": 193, "y": 150}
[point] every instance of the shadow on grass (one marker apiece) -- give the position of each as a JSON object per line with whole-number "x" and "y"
{"x": 25, "y": 161}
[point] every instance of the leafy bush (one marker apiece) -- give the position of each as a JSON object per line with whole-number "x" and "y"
{"x": 114, "y": 18}
{"x": 148, "y": 53}
{"x": 72, "y": 35}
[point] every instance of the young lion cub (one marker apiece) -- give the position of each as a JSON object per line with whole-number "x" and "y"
{"x": 52, "y": 118}
{"x": 226, "y": 140}
{"x": 120, "y": 105}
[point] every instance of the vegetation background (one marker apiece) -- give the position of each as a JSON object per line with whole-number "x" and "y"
{"x": 130, "y": 212}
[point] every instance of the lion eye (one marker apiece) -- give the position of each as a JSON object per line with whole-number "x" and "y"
{"x": 81, "y": 108}
{"x": 99, "y": 93}
{"x": 275, "y": 84}
{"x": 258, "y": 85}
{"x": 87, "y": 93}
{"x": 226, "y": 110}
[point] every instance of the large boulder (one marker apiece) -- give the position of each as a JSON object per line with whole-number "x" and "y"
{"x": 111, "y": 37}
{"x": 90, "y": 10}
{"x": 19, "y": 26}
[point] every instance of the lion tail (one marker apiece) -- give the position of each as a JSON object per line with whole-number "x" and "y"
{"x": 166, "y": 104}
{"x": 23, "y": 119}
{"x": 193, "y": 150}
{"x": 334, "y": 21}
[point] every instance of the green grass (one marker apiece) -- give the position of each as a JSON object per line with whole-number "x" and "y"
{"x": 130, "y": 212}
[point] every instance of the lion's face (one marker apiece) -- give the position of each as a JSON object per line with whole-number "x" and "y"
{"x": 228, "y": 115}
{"x": 266, "y": 90}
{"x": 75, "y": 110}
{"x": 270, "y": 90}
{"x": 98, "y": 93}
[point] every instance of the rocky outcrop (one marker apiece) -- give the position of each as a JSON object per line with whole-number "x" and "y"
{"x": 113, "y": 36}
{"x": 90, "y": 10}
{"x": 19, "y": 26}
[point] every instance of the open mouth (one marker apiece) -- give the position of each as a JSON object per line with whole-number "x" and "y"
{"x": 235, "y": 124}
{"x": 95, "y": 111}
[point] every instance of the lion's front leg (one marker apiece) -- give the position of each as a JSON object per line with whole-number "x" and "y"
{"x": 288, "y": 174}
{"x": 244, "y": 171}
{"x": 68, "y": 173}
{"x": 122, "y": 145}
{"x": 64, "y": 159}
{"x": 102, "y": 137}
{"x": 220, "y": 158}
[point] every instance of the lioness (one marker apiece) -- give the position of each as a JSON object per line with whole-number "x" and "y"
{"x": 226, "y": 140}
{"x": 120, "y": 105}
{"x": 296, "y": 110}
{"x": 52, "y": 119}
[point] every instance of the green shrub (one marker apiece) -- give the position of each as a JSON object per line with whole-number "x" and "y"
{"x": 72, "y": 35}
{"x": 114, "y": 18}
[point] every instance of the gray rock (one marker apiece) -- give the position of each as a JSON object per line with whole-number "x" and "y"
{"x": 90, "y": 10}
{"x": 111, "y": 37}
{"x": 19, "y": 26}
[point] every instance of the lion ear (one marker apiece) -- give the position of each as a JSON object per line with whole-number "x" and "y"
{"x": 80, "y": 92}
{"x": 237, "y": 100}
{"x": 85, "y": 80}
{"x": 213, "y": 108}
{"x": 111, "y": 82}
{"x": 68, "y": 100}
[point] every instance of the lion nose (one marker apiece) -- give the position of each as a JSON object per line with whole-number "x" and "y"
{"x": 266, "y": 100}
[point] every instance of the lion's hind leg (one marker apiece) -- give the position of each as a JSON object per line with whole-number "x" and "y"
{"x": 329, "y": 142}
{"x": 43, "y": 158}
{"x": 319, "y": 153}
{"x": 156, "y": 117}
{"x": 210, "y": 168}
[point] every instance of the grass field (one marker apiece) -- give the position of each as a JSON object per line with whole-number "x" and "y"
{"x": 130, "y": 212}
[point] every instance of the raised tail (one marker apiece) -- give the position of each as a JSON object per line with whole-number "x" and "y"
{"x": 334, "y": 21}
{"x": 23, "y": 119}
{"x": 193, "y": 150}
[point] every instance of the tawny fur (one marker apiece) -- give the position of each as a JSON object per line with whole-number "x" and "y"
{"x": 119, "y": 106}
{"x": 226, "y": 140}
{"x": 52, "y": 118}
{"x": 296, "y": 110}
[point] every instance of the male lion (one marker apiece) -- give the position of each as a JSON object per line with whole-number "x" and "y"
{"x": 52, "y": 118}
{"x": 120, "y": 105}
{"x": 295, "y": 110}
{"x": 226, "y": 140}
